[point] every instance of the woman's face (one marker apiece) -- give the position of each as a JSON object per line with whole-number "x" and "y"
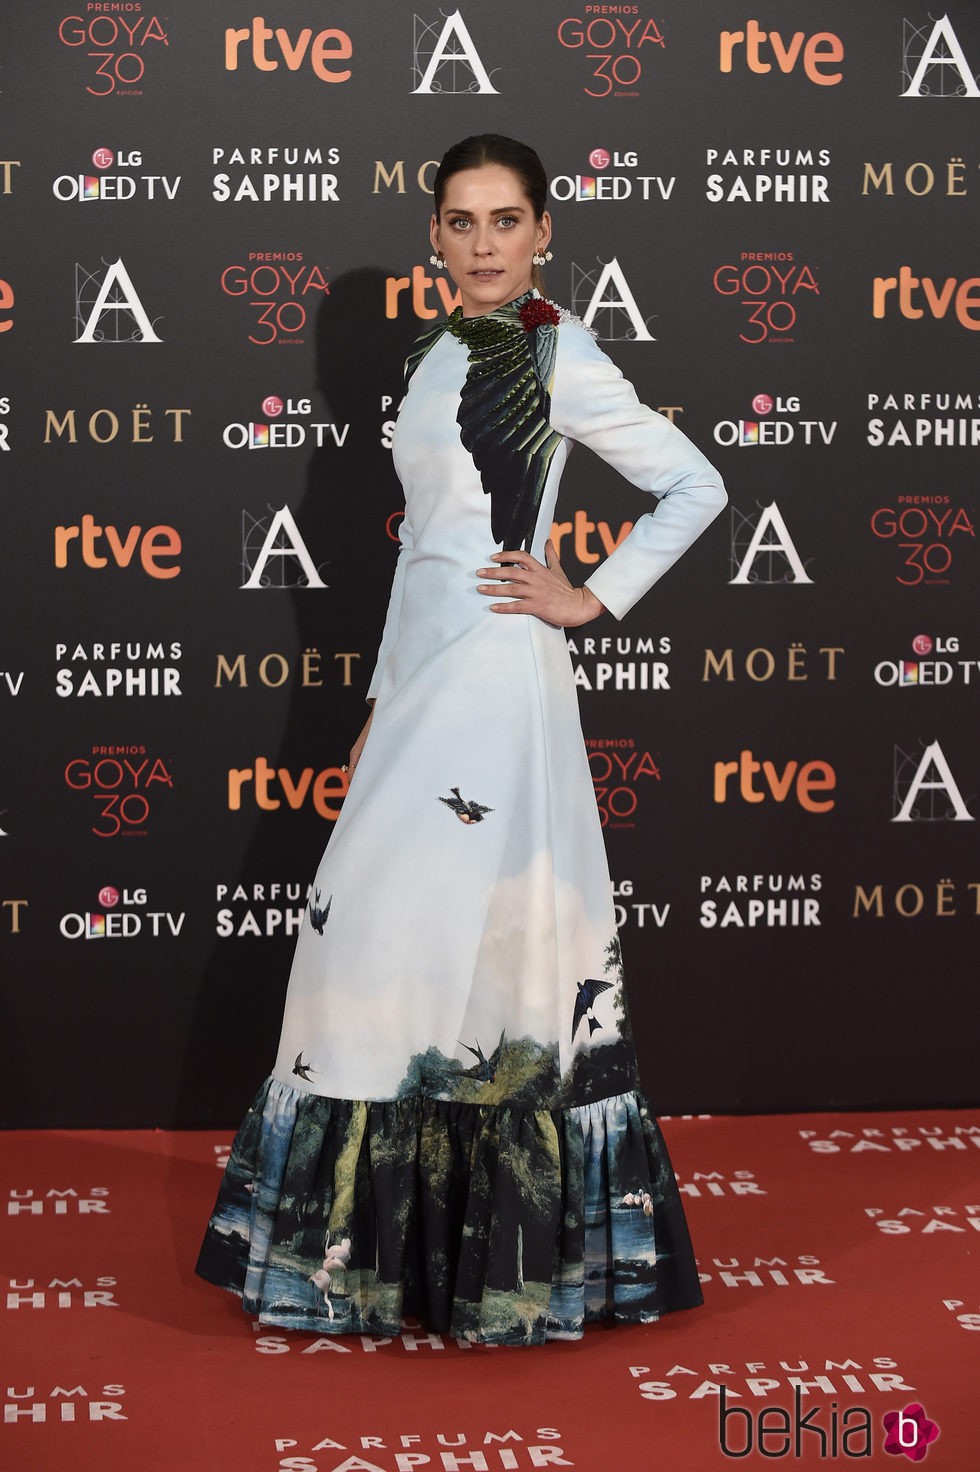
{"x": 487, "y": 233}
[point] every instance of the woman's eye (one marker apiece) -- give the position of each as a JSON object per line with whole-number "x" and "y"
{"x": 507, "y": 220}
{"x": 460, "y": 224}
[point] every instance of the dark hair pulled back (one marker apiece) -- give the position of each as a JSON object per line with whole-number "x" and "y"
{"x": 493, "y": 148}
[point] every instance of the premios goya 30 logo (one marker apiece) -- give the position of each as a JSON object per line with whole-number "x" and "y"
{"x": 926, "y": 530}
{"x": 770, "y": 288}
{"x": 116, "y": 46}
{"x": 279, "y": 292}
{"x": 614, "y": 48}
{"x": 124, "y": 783}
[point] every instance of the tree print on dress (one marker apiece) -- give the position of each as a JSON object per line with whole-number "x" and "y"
{"x": 494, "y": 1224}
{"x": 520, "y": 1071}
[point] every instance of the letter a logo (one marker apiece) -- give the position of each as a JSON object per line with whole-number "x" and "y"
{"x": 439, "y": 69}
{"x": 611, "y": 275}
{"x": 116, "y": 295}
{"x": 942, "y": 49}
{"x": 790, "y": 571}
{"x": 933, "y": 760}
{"x": 291, "y": 544}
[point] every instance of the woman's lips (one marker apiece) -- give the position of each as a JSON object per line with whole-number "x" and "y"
{"x": 487, "y": 272}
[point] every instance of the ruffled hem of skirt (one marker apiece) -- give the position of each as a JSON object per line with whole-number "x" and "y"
{"x": 492, "y": 1223}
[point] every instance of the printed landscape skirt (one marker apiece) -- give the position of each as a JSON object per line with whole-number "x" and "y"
{"x": 493, "y": 1223}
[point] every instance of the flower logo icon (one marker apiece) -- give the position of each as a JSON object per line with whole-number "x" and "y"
{"x": 909, "y": 1432}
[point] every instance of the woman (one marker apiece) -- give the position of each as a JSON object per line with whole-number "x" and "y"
{"x": 453, "y": 1128}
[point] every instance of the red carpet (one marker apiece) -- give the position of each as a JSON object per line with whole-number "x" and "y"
{"x": 839, "y": 1255}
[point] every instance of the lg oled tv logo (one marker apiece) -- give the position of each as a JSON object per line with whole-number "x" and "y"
{"x": 598, "y": 185}
{"x": 114, "y": 187}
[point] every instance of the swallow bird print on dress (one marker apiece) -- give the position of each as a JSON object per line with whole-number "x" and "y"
{"x": 466, "y": 812}
{"x": 318, "y": 917}
{"x": 303, "y": 1070}
{"x": 588, "y": 991}
{"x": 485, "y": 1069}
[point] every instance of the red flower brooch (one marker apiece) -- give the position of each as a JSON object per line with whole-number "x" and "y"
{"x": 537, "y": 313}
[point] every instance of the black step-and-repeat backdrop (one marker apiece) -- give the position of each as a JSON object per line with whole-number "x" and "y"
{"x": 214, "y": 256}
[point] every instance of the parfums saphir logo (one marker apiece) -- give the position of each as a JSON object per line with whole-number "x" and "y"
{"x": 287, "y": 174}
{"x": 935, "y": 420}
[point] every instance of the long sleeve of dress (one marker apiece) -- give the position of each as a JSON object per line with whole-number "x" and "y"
{"x": 592, "y": 403}
{"x": 393, "y": 616}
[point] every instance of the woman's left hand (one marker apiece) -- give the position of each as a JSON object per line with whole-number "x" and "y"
{"x": 538, "y": 588}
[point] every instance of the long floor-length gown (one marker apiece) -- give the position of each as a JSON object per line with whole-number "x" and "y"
{"x": 453, "y": 1127}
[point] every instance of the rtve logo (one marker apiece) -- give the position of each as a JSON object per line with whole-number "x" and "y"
{"x": 326, "y": 47}
{"x": 804, "y": 783}
{"x": 820, "y": 51}
{"x": 157, "y": 544}
{"x": 963, "y": 296}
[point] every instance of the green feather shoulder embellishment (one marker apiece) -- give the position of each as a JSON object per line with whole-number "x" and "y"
{"x": 504, "y": 412}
